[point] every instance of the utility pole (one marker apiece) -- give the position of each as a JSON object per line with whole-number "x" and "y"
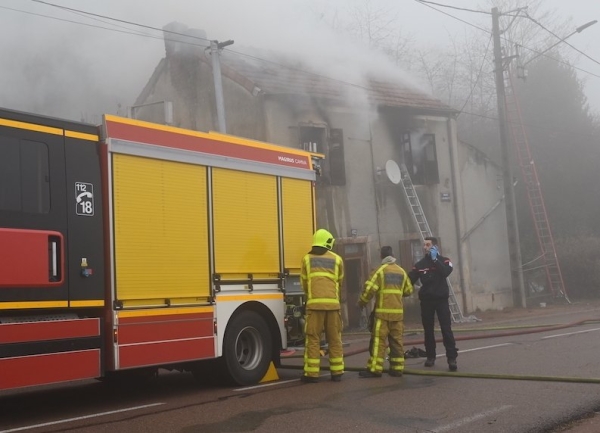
{"x": 514, "y": 244}
{"x": 215, "y": 48}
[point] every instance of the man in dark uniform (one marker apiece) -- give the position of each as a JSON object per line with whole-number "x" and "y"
{"x": 432, "y": 270}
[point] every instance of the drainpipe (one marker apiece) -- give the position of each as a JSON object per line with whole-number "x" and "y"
{"x": 457, "y": 225}
{"x": 375, "y": 187}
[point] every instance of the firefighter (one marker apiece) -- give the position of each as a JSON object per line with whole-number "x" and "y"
{"x": 389, "y": 284}
{"x": 432, "y": 270}
{"x": 321, "y": 276}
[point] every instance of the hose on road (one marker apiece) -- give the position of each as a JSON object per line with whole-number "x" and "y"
{"x": 523, "y": 330}
{"x": 408, "y": 371}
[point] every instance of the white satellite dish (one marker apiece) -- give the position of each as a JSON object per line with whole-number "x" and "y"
{"x": 393, "y": 171}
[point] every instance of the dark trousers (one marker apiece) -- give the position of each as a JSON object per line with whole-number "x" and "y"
{"x": 430, "y": 307}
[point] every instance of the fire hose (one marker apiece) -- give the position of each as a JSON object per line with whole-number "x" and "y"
{"x": 520, "y": 330}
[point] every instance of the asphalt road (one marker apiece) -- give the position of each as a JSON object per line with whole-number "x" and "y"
{"x": 414, "y": 403}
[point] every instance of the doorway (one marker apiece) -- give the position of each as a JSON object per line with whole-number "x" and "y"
{"x": 353, "y": 289}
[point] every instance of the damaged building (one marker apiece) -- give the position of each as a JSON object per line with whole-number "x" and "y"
{"x": 359, "y": 127}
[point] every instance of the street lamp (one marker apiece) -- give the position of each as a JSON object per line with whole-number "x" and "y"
{"x": 577, "y": 30}
{"x": 215, "y": 49}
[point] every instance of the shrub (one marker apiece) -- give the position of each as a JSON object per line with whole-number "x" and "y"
{"x": 579, "y": 260}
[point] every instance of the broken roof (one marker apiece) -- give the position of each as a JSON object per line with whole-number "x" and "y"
{"x": 279, "y": 77}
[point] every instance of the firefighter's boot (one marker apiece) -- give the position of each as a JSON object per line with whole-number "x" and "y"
{"x": 452, "y": 364}
{"x": 430, "y": 362}
{"x": 367, "y": 373}
{"x": 309, "y": 379}
{"x": 336, "y": 377}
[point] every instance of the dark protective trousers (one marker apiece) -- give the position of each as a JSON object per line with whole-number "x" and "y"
{"x": 429, "y": 308}
{"x": 318, "y": 321}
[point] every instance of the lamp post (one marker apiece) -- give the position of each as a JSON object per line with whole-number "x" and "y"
{"x": 577, "y": 30}
{"x": 215, "y": 49}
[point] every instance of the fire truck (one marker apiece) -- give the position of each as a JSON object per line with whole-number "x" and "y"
{"x": 134, "y": 246}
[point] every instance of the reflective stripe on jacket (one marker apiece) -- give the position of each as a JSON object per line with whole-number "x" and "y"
{"x": 390, "y": 283}
{"x": 321, "y": 278}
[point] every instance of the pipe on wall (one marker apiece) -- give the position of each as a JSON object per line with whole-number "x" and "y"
{"x": 457, "y": 225}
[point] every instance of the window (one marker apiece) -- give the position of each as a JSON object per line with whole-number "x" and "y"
{"x": 24, "y": 176}
{"x": 420, "y": 158}
{"x": 315, "y": 139}
{"x": 337, "y": 164}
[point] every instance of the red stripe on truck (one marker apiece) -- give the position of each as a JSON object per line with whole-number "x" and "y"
{"x": 193, "y": 143}
{"x": 48, "y": 330}
{"x": 49, "y": 368}
{"x": 177, "y": 328}
{"x": 165, "y": 352}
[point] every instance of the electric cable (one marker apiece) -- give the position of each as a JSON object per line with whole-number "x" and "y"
{"x": 81, "y": 23}
{"x": 510, "y": 41}
{"x": 273, "y": 62}
{"x": 120, "y": 20}
{"x": 562, "y": 40}
{"x": 571, "y": 132}
{"x": 454, "y": 7}
{"x": 208, "y": 40}
{"x": 487, "y": 50}
{"x": 280, "y": 65}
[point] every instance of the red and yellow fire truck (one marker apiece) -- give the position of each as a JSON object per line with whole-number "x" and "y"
{"x": 135, "y": 246}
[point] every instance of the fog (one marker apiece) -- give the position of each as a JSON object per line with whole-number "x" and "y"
{"x": 71, "y": 69}
{"x": 66, "y": 64}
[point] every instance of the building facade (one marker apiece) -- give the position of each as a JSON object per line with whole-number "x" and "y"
{"x": 358, "y": 128}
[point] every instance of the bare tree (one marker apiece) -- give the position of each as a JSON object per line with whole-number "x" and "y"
{"x": 372, "y": 25}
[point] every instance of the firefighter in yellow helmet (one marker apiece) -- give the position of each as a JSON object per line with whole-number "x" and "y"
{"x": 389, "y": 284}
{"x": 321, "y": 276}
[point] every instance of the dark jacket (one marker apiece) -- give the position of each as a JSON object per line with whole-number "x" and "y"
{"x": 433, "y": 276}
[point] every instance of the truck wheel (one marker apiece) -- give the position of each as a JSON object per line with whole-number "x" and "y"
{"x": 247, "y": 348}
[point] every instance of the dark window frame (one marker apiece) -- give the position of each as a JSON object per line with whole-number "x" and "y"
{"x": 423, "y": 170}
{"x": 329, "y": 142}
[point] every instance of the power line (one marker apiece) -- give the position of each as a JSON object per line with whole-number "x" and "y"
{"x": 454, "y": 7}
{"x": 571, "y": 132}
{"x": 508, "y": 40}
{"x": 255, "y": 57}
{"x": 120, "y": 20}
{"x": 562, "y": 40}
{"x": 186, "y": 42}
{"x": 487, "y": 50}
{"x": 452, "y": 16}
{"x": 82, "y": 24}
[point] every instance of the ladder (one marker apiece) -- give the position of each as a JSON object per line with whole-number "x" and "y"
{"x": 534, "y": 191}
{"x": 419, "y": 219}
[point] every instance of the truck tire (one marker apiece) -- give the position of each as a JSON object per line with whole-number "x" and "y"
{"x": 247, "y": 348}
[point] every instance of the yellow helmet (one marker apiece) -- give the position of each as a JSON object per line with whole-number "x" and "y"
{"x": 322, "y": 238}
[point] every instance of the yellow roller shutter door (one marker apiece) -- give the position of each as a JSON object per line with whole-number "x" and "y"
{"x": 297, "y": 221}
{"x": 160, "y": 226}
{"x": 245, "y": 224}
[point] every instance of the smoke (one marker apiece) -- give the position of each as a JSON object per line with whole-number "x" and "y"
{"x": 78, "y": 71}
{"x": 71, "y": 65}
